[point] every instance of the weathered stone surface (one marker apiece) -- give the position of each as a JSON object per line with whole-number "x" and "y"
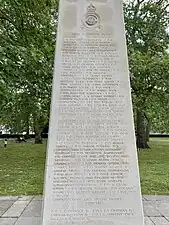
{"x": 143, "y": 198}
{"x": 160, "y": 221}
{"x": 163, "y": 207}
{"x": 92, "y": 170}
{"x": 29, "y": 221}
{"x": 16, "y": 209}
{"x": 5, "y": 198}
{"x": 156, "y": 197}
{"x": 151, "y": 210}
{"x": 8, "y": 221}
{"x": 38, "y": 198}
{"x": 30, "y": 215}
{"x": 33, "y": 209}
{"x": 5, "y": 205}
{"x": 167, "y": 218}
{"x": 148, "y": 221}
{"x": 25, "y": 198}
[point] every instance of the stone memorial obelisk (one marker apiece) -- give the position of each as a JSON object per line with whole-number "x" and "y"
{"x": 92, "y": 173}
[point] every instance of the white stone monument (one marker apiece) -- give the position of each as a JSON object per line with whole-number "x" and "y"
{"x": 92, "y": 169}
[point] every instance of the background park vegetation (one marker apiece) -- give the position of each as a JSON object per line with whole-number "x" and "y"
{"x": 22, "y": 168}
{"x": 27, "y": 43}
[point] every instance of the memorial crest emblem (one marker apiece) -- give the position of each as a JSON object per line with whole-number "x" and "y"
{"x": 91, "y": 19}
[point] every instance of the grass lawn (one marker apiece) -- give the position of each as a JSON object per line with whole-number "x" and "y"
{"x": 154, "y": 167}
{"x": 22, "y": 168}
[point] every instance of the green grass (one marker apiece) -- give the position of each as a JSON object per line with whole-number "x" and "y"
{"x": 22, "y": 168}
{"x": 154, "y": 167}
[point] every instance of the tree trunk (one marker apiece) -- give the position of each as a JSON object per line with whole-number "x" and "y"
{"x": 141, "y": 131}
{"x": 38, "y": 137}
{"x": 38, "y": 131}
{"x": 27, "y": 136}
{"x": 148, "y": 128}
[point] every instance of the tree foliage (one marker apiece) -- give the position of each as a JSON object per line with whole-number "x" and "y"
{"x": 27, "y": 40}
{"x": 148, "y": 41}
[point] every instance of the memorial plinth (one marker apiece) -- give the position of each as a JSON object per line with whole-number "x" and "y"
{"x": 92, "y": 173}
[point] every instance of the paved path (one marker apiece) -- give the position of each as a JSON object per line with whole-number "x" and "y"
{"x": 26, "y": 210}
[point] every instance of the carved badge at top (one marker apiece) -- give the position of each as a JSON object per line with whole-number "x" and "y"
{"x": 91, "y": 19}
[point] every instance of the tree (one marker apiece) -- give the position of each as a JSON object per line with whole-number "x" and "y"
{"x": 147, "y": 40}
{"x": 27, "y": 41}
{"x": 158, "y": 107}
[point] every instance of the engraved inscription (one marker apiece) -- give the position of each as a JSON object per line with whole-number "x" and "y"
{"x": 92, "y": 124}
{"x": 92, "y": 172}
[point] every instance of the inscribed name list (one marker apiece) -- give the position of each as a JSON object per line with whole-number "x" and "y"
{"x": 92, "y": 171}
